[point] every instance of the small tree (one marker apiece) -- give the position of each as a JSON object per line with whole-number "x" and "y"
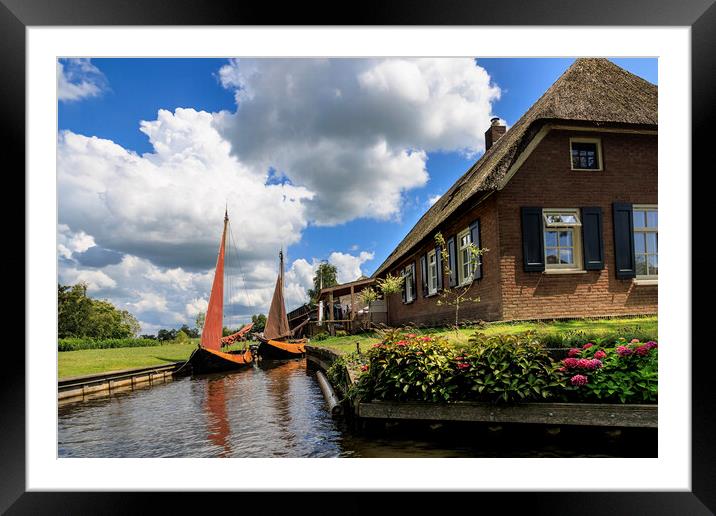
{"x": 457, "y": 296}
{"x": 200, "y": 321}
{"x": 325, "y": 277}
{"x": 259, "y": 321}
{"x": 368, "y": 296}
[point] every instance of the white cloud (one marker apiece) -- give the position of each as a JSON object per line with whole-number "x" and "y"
{"x": 355, "y": 131}
{"x": 344, "y": 138}
{"x": 433, "y": 199}
{"x": 149, "y": 301}
{"x": 78, "y": 79}
{"x": 95, "y": 280}
{"x": 348, "y": 267}
{"x": 196, "y": 306}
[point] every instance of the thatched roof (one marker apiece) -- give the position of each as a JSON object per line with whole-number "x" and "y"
{"x": 591, "y": 91}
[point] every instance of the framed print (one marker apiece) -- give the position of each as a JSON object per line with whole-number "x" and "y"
{"x": 167, "y": 149}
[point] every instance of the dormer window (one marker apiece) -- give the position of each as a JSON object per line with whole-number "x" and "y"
{"x": 586, "y": 153}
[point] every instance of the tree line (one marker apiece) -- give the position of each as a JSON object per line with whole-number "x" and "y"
{"x": 80, "y": 316}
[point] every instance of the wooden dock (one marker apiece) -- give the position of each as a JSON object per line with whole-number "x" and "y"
{"x": 81, "y": 388}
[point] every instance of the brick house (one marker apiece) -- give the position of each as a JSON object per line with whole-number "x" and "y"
{"x": 566, "y": 203}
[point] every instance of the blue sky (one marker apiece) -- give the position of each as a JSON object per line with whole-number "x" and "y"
{"x": 331, "y": 132}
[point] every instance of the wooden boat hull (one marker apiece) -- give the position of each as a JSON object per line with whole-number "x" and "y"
{"x": 278, "y": 350}
{"x": 205, "y": 360}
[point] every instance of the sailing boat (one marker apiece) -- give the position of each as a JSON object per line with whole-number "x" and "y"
{"x": 274, "y": 342}
{"x": 208, "y": 357}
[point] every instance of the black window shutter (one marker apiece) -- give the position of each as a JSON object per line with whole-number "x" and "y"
{"x": 592, "y": 240}
{"x": 452, "y": 262}
{"x": 532, "y": 239}
{"x": 412, "y": 279}
{"x": 624, "y": 240}
{"x": 403, "y": 292}
{"x": 439, "y": 266}
{"x": 424, "y": 273}
{"x": 475, "y": 239}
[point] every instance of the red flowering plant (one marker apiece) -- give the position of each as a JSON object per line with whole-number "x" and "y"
{"x": 626, "y": 372}
{"x": 407, "y": 366}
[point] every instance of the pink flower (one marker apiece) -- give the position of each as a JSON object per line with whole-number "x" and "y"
{"x": 562, "y": 369}
{"x": 401, "y": 343}
{"x": 633, "y": 341}
{"x": 459, "y": 358}
{"x": 411, "y": 335}
{"x": 426, "y": 339}
{"x": 587, "y": 345}
{"x": 574, "y": 352}
{"x": 642, "y": 350}
{"x": 623, "y": 351}
{"x": 364, "y": 368}
{"x": 578, "y": 379}
{"x": 570, "y": 362}
{"x": 584, "y": 363}
{"x": 651, "y": 344}
{"x": 463, "y": 365}
{"x": 600, "y": 354}
{"x": 594, "y": 364}
{"x": 378, "y": 345}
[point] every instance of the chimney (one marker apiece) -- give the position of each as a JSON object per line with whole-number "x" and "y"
{"x": 494, "y": 132}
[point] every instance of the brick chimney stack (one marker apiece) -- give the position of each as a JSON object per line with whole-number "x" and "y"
{"x": 494, "y": 132}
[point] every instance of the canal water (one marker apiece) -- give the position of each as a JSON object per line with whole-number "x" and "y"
{"x": 276, "y": 409}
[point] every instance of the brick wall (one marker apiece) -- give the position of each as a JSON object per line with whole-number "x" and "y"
{"x": 546, "y": 180}
{"x": 425, "y": 311}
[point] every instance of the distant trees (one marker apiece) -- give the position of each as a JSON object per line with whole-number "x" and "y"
{"x": 325, "y": 277}
{"x": 259, "y": 322}
{"x": 81, "y": 316}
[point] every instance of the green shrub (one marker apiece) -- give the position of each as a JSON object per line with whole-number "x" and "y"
{"x": 341, "y": 333}
{"x": 505, "y": 369}
{"x": 76, "y": 344}
{"x": 576, "y": 338}
{"x": 407, "y": 367}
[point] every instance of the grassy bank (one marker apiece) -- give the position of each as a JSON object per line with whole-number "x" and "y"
{"x": 648, "y": 325}
{"x": 90, "y": 361}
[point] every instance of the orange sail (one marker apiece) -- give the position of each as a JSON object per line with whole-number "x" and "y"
{"x": 277, "y": 321}
{"x": 214, "y": 322}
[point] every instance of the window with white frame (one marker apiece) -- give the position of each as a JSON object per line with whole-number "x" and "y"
{"x": 586, "y": 153}
{"x": 432, "y": 273}
{"x": 409, "y": 275}
{"x": 646, "y": 241}
{"x": 466, "y": 261}
{"x": 562, "y": 239}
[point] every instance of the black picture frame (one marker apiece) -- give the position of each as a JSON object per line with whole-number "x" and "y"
{"x": 699, "y": 15}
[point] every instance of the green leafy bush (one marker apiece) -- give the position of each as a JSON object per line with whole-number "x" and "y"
{"x": 408, "y": 367}
{"x": 76, "y": 344}
{"x": 505, "y": 369}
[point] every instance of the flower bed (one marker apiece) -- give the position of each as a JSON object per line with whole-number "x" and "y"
{"x": 502, "y": 369}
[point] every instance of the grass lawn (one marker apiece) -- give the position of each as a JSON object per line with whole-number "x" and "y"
{"x": 347, "y": 344}
{"x": 91, "y": 361}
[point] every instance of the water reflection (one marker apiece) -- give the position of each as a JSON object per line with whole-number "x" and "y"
{"x": 217, "y": 420}
{"x": 276, "y": 409}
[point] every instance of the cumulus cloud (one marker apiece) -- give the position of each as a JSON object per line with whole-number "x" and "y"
{"x": 355, "y": 131}
{"x": 348, "y": 267}
{"x": 78, "y": 79}
{"x": 311, "y": 142}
